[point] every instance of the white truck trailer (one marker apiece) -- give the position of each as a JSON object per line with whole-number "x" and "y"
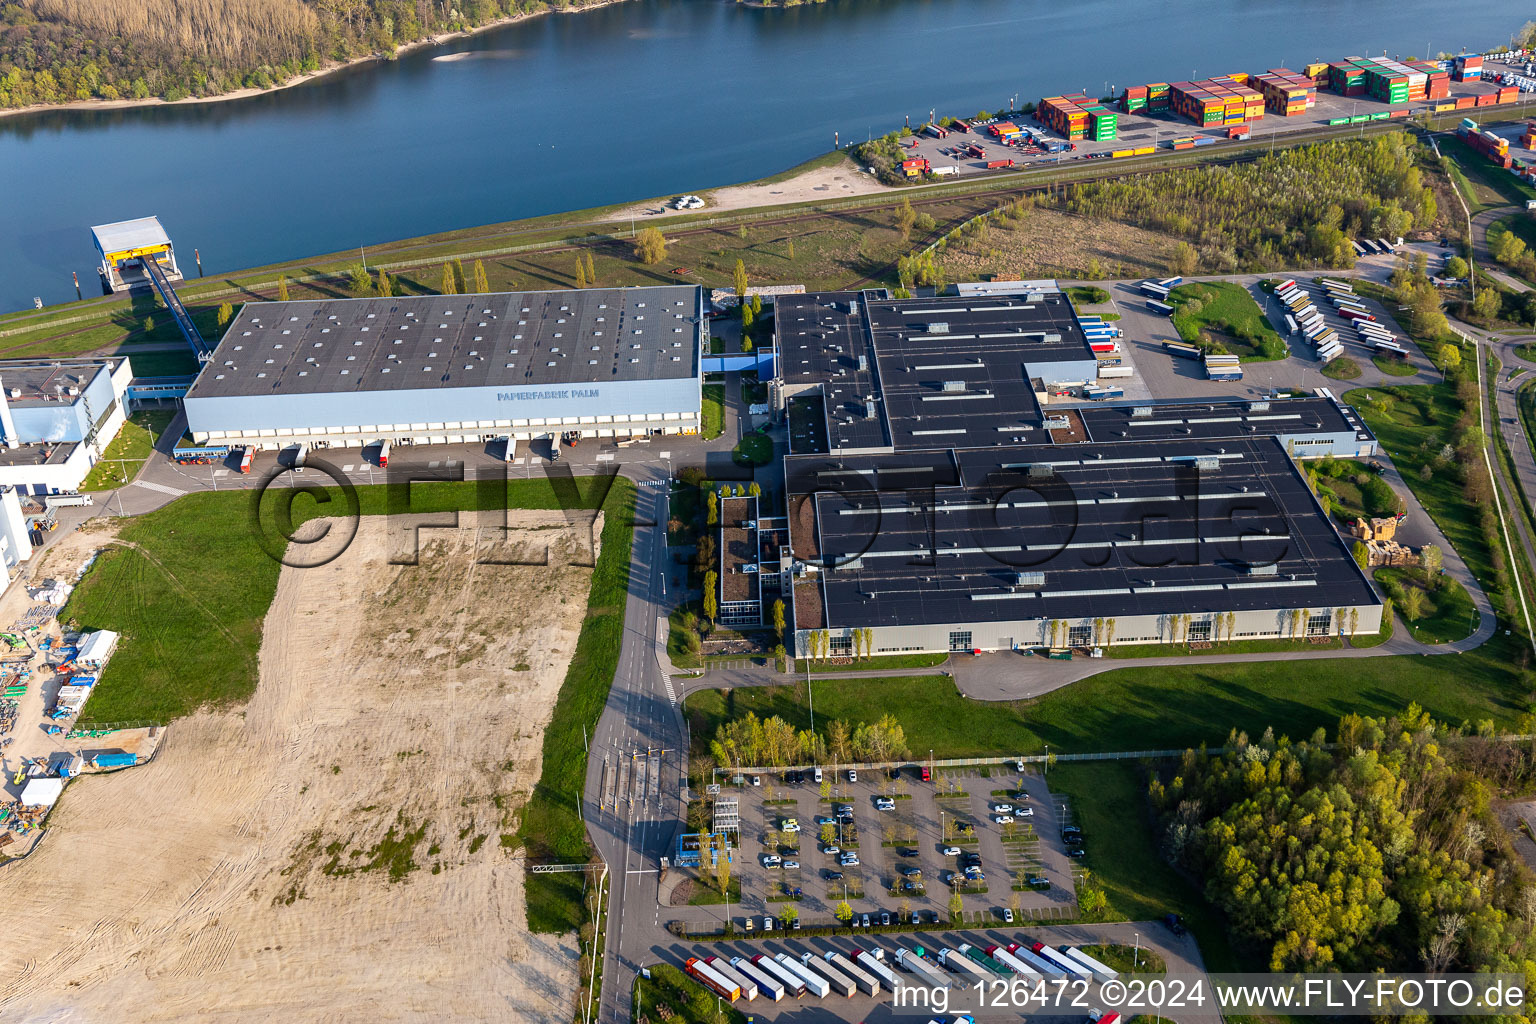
{"x": 874, "y": 963}
{"x": 766, "y": 984}
{"x": 1045, "y": 967}
{"x": 813, "y": 982}
{"x": 1013, "y": 963}
{"x": 961, "y": 964}
{"x": 793, "y": 984}
{"x": 1066, "y": 963}
{"x": 1100, "y": 970}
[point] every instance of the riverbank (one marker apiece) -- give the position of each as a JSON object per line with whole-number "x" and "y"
{"x": 309, "y": 76}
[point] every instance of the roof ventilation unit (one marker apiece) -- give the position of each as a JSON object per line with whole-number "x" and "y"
{"x": 1263, "y": 570}
{"x": 953, "y": 385}
{"x": 938, "y": 328}
{"x": 1141, "y": 412}
{"x": 1258, "y": 407}
{"x": 1029, "y": 579}
{"x": 1041, "y": 471}
{"x": 1207, "y": 465}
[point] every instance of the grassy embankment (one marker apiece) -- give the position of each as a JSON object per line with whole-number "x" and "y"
{"x": 190, "y": 606}
{"x": 128, "y": 451}
{"x": 1484, "y": 185}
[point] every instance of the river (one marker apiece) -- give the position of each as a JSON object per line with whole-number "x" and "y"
{"x": 636, "y": 99}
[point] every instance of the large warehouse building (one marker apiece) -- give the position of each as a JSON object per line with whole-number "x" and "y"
{"x": 56, "y": 418}
{"x": 935, "y": 507}
{"x": 600, "y": 362}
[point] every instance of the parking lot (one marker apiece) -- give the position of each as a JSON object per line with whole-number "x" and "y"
{"x": 905, "y": 859}
{"x": 1141, "y": 129}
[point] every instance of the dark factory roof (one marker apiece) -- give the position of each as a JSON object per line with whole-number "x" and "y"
{"x": 1002, "y": 534}
{"x": 502, "y": 339}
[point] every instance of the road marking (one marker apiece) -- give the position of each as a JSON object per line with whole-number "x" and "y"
{"x": 221, "y": 472}
{"x": 159, "y": 487}
{"x": 671, "y": 693}
{"x": 666, "y": 455}
{"x": 347, "y": 468}
{"x": 434, "y": 463}
{"x": 607, "y": 457}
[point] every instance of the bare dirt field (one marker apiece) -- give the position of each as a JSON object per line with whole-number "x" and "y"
{"x": 845, "y": 179}
{"x": 331, "y": 851}
{"x": 1049, "y": 243}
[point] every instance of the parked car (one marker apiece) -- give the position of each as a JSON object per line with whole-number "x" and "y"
{"x": 925, "y": 774}
{"x": 1175, "y": 924}
{"x": 853, "y": 776}
{"x": 885, "y": 918}
{"x": 951, "y": 851}
{"x": 849, "y": 860}
{"x": 893, "y": 773}
{"x": 771, "y": 860}
{"x": 790, "y": 825}
{"x": 912, "y": 872}
{"x": 909, "y": 885}
{"x": 907, "y": 851}
{"x": 1038, "y": 883}
{"x": 1076, "y": 851}
{"x": 1025, "y": 812}
{"x": 831, "y": 850}
{"x": 864, "y": 921}
{"x": 822, "y": 819}
{"x": 767, "y": 923}
{"x": 757, "y": 780}
{"x": 1003, "y": 819}
{"x": 796, "y": 925}
{"x": 816, "y": 775}
{"x": 791, "y": 865}
{"x": 1008, "y": 915}
{"x": 833, "y": 876}
{"x": 916, "y": 918}
{"x": 885, "y": 803}
{"x": 791, "y": 777}
{"x": 1002, "y": 808}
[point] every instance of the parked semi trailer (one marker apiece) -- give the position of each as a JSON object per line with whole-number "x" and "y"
{"x": 766, "y": 983}
{"x": 873, "y": 961}
{"x": 1013, "y": 963}
{"x": 712, "y": 979}
{"x": 986, "y": 962}
{"x": 747, "y": 986}
{"x": 1044, "y": 966}
{"x": 1100, "y": 970}
{"x": 1066, "y": 963}
{"x": 840, "y": 982}
{"x": 813, "y": 982}
{"x": 920, "y": 965}
{"x": 959, "y": 963}
{"x": 247, "y": 456}
{"x": 793, "y": 984}
{"x": 867, "y": 982}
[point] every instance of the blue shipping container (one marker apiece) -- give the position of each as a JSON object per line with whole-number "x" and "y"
{"x": 116, "y": 760}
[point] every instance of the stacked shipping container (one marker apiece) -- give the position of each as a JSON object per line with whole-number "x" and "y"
{"x": 1285, "y": 92}
{"x": 1078, "y": 118}
{"x": 1468, "y": 67}
{"x": 1389, "y": 81}
{"x": 1486, "y": 143}
{"x": 1221, "y": 101}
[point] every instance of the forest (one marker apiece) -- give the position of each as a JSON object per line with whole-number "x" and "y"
{"x": 1382, "y": 849}
{"x": 58, "y": 51}
{"x": 1290, "y": 208}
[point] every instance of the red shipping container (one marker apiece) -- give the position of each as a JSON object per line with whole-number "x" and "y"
{"x": 1400, "y": 113}
{"x": 1463, "y": 102}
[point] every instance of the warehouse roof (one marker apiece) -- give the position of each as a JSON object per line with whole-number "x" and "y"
{"x": 501, "y": 339}
{"x": 1004, "y": 534}
{"x": 29, "y": 382}
{"x": 1156, "y": 421}
{"x": 123, "y": 235}
{"x": 822, "y": 340}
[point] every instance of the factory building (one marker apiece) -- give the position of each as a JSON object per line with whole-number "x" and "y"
{"x": 56, "y": 417}
{"x": 434, "y": 369}
{"x": 935, "y": 507}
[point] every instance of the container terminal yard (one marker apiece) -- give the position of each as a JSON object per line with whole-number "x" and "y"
{"x": 1142, "y": 120}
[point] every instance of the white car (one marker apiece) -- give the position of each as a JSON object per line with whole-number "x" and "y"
{"x": 771, "y": 860}
{"x": 790, "y": 825}
{"x": 791, "y": 865}
{"x": 816, "y": 774}
{"x": 1025, "y": 812}
{"x": 1008, "y": 915}
{"x": 849, "y": 860}
{"x": 853, "y": 776}
{"x": 1003, "y": 819}
{"x": 885, "y": 803}
{"x": 831, "y": 850}
{"x": 1002, "y": 808}
{"x": 951, "y": 851}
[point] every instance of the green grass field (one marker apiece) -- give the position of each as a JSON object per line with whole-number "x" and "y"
{"x": 1342, "y": 368}
{"x": 1109, "y": 803}
{"x": 1393, "y": 367}
{"x": 1420, "y": 419}
{"x": 1148, "y": 708}
{"x": 714, "y": 411}
{"x": 127, "y": 452}
{"x": 1228, "y": 313}
{"x": 1448, "y": 612}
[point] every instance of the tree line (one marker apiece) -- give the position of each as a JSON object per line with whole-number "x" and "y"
{"x": 750, "y": 741}
{"x": 1289, "y": 208}
{"x": 58, "y": 51}
{"x": 1380, "y": 851}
